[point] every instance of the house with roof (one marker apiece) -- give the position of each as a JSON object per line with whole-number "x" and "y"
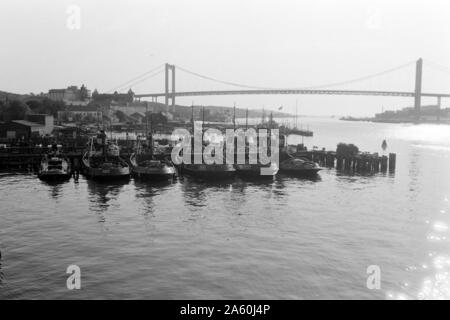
{"x": 21, "y": 129}
{"x": 138, "y": 117}
{"x": 80, "y": 114}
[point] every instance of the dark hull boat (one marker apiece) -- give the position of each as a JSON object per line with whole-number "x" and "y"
{"x": 146, "y": 167}
{"x": 299, "y": 167}
{"x": 105, "y": 164}
{"x": 55, "y": 168}
{"x": 255, "y": 170}
{"x": 101, "y": 167}
{"x": 209, "y": 171}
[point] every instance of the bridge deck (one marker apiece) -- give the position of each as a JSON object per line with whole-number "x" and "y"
{"x": 293, "y": 91}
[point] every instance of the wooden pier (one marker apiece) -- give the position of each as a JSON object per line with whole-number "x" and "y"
{"x": 360, "y": 162}
{"x": 30, "y": 157}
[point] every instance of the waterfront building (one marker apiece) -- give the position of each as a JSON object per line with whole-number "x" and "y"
{"x": 21, "y": 129}
{"x": 72, "y": 95}
{"x": 80, "y": 114}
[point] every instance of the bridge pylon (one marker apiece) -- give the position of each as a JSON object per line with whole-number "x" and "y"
{"x": 169, "y": 68}
{"x": 418, "y": 89}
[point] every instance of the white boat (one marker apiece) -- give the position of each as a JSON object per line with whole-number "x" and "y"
{"x": 54, "y": 167}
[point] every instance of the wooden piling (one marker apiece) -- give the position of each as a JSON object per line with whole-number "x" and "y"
{"x": 392, "y": 159}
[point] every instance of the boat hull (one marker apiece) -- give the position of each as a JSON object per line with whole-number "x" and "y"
{"x": 111, "y": 173}
{"x": 162, "y": 171}
{"x": 153, "y": 174}
{"x": 107, "y": 174}
{"x": 54, "y": 176}
{"x": 254, "y": 170}
{"x": 209, "y": 171}
{"x": 300, "y": 172}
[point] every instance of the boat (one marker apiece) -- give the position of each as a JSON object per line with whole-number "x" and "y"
{"x": 146, "y": 165}
{"x": 299, "y": 167}
{"x": 104, "y": 162}
{"x": 54, "y": 166}
{"x": 248, "y": 170}
{"x": 209, "y": 171}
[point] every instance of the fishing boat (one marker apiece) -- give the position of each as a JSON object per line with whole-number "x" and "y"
{"x": 299, "y": 167}
{"x": 146, "y": 165}
{"x": 102, "y": 160}
{"x": 207, "y": 171}
{"x": 248, "y": 170}
{"x": 54, "y": 166}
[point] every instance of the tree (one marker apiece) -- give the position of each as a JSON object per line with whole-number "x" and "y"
{"x": 46, "y": 106}
{"x": 157, "y": 118}
{"x": 15, "y": 110}
{"x": 121, "y": 116}
{"x": 83, "y": 93}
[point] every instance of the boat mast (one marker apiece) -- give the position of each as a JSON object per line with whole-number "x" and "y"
{"x": 246, "y": 119}
{"x": 203, "y": 119}
{"x": 192, "y": 117}
{"x": 234, "y": 117}
{"x": 296, "y": 113}
{"x": 146, "y": 119}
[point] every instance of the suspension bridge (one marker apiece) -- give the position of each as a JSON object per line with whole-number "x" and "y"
{"x": 170, "y": 94}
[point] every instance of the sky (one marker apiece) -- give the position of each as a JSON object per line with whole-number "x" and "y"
{"x": 278, "y": 44}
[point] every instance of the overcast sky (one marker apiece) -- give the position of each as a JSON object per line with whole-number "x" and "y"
{"x": 260, "y": 43}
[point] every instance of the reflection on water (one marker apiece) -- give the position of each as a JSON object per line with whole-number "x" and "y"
{"x": 104, "y": 194}
{"x": 54, "y": 187}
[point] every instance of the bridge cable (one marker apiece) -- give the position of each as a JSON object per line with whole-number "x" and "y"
{"x": 135, "y": 78}
{"x": 361, "y": 78}
{"x": 437, "y": 66}
{"x": 222, "y": 81}
{"x": 301, "y": 88}
{"x": 144, "y": 79}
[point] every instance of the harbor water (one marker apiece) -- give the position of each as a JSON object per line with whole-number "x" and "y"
{"x": 287, "y": 238}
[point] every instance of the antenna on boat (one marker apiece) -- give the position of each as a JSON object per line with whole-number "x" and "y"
{"x": 192, "y": 118}
{"x": 246, "y": 119}
{"x": 234, "y": 116}
{"x": 203, "y": 118}
{"x": 146, "y": 119}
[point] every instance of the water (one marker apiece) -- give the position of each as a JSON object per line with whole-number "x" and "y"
{"x": 282, "y": 239}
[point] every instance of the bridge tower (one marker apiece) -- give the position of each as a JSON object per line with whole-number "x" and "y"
{"x": 418, "y": 89}
{"x": 170, "y": 68}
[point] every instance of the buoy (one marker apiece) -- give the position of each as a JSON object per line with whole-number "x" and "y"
{"x": 384, "y": 145}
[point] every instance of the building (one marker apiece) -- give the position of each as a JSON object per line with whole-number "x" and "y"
{"x": 80, "y": 114}
{"x": 21, "y": 129}
{"x": 106, "y": 99}
{"x": 45, "y": 120}
{"x": 138, "y": 117}
{"x": 71, "y": 95}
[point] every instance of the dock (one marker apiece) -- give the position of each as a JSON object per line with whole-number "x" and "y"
{"x": 362, "y": 162}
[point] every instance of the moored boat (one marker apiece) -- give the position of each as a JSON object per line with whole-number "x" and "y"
{"x": 299, "y": 167}
{"x": 105, "y": 163}
{"x": 147, "y": 167}
{"x": 54, "y": 167}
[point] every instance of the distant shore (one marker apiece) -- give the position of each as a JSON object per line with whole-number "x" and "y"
{"x": 445, "y": 121}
